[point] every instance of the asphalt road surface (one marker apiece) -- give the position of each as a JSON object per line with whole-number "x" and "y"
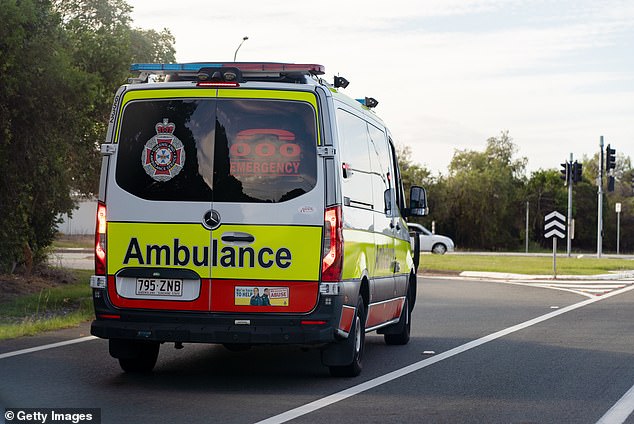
{"x": 481, "y": 352}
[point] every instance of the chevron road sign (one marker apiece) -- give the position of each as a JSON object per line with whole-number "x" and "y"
{"x": 555, "y": 225}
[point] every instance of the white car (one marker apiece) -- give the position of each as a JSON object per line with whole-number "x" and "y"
{"x": 430, "y": 242}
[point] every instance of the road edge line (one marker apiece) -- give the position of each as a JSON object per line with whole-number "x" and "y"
{"x": 45, "y": 347}
{"x": 621, "y": 410}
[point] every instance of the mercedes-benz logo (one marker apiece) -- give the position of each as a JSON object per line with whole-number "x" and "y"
{"x": 211, "y": 219}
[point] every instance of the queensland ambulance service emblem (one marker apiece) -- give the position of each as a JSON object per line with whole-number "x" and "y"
{"x": 164, "y": 155}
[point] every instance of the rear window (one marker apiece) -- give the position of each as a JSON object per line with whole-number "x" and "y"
{"x": 220, "y": 150}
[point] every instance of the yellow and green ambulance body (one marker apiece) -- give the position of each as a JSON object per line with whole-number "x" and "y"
{"x": 249, "y": 203}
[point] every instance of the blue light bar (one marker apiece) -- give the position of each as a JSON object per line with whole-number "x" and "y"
{"x": 172, "y": 67}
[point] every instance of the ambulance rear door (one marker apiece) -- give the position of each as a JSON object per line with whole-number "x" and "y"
{"x": 268, "y": 202}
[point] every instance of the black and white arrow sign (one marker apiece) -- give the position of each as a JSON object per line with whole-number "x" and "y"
{"x": 555, "y": 225}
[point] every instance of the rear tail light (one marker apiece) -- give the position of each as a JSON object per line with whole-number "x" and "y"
{"x": 332, "y": 255}
{"x": 100, "y": 240}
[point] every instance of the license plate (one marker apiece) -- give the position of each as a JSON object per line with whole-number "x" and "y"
{"x": 159, "y": 287}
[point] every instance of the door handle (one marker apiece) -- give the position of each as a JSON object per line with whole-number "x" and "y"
{"x": 237, "y": 238}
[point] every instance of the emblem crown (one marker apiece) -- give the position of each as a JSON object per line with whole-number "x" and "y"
{"x": 165, "y": 127}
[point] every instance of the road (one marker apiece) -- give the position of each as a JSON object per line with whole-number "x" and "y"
{"x": 481, "y": 351}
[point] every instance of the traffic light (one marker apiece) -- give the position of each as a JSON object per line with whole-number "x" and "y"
{"x": 610, "y": 158}
{"x": 577, "y": 172}
{"x": 610, "y": 183}
{"x": 565, "y": 172}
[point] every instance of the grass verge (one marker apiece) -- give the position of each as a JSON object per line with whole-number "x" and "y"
{"x": 50, "y": 308}
{"x": 535, "y": 265}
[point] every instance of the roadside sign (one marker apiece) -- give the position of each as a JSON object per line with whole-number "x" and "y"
{"x": 555, "y": 227}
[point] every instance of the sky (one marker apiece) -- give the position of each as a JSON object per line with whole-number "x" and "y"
{"x": 448, "y": 74}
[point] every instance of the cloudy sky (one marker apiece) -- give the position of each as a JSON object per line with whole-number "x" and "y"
{"x": 448, "y": 74}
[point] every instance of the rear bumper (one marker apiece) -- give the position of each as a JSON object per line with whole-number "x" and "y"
{"x": 219, "y": 330}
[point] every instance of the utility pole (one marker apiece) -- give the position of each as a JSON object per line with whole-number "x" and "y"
{"x": 569, "y": 223}
{"x": 618, "y": 227}
{"x": 527, "y": 204}
{"x": 600, "y": 201}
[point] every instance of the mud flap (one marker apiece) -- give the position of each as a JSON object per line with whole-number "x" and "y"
{"x": 338, "y": 353}
{"x": 126, "y": 349}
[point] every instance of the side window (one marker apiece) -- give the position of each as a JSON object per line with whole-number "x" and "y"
{"x": 381, "y": 169}
{"x": 353, "y": 137}
{"x": 400, "y": 193}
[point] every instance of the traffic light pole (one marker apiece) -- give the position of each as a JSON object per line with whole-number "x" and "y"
{"x": 569, "y": 223}
{"x": 600, "y": 201}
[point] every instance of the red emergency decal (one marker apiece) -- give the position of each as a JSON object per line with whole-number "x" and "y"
{"x": 282, "y": 296}
{"x": 199, "y": 304}
{"x": 164, "y": 155}
{"x": 347, "y": 315}
{"x": 380, "y": 313}
{"x": 266, "y": 151}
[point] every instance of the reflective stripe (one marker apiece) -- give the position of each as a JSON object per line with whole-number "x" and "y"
{"x": 380, "y": 313}
{"x": 347, "y": 315}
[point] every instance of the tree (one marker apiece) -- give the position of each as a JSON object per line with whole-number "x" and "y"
{"x": 152, "y": 46}
{"x": 412, "y": 173}
{"x": 43, "y": 104}
{"x": 60, "y": 63}
{"x": 484, "y": 192}
{"x": 103, "y": 44}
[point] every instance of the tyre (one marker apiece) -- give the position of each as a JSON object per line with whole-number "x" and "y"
{"x": 141, "y": 358}
{"x": 439, "y": 249}
{"x": 356, "y": 342}
{"x": 404, "y": 323}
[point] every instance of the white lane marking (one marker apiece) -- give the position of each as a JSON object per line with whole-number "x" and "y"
{"x": 44, "y": 347}
{"x": 360, "y": 388}
{"x": 621, "y": 409}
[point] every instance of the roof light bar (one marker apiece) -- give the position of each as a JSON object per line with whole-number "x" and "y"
{"x": 166, "y": 68}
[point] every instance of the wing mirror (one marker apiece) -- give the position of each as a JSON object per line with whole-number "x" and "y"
{"x": 417, "y": 202}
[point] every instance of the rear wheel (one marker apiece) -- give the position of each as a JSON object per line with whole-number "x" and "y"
{"x": 356, "y": 342}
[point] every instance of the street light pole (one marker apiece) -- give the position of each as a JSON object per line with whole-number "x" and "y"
{"x": 618, "y": 227}
{"x": 527, "y": 205}
{"x": 600, "y": 201}
{"x": 245, "y": 38}
{"x": 569, "y": 223}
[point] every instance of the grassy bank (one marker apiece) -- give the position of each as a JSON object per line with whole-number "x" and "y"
{"x": 523, "y": 264}
{"x": 51, "y": 307}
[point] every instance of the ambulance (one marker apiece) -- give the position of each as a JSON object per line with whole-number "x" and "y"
{"x": 248, "y": 204}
